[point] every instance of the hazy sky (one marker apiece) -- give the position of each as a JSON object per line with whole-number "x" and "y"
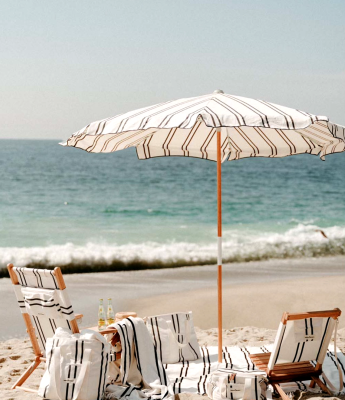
{"x": 67, "y": 63}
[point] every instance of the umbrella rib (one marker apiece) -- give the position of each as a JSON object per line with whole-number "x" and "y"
{"x": 252, "y": 108}
{"x": 204, "y": 151}
{"x": 190, "y": 137}
{"x": 215, "y": 114}
{"x": 142, "y": 111}
{"x": 136, "y": 143}
{"x": 174, "y": 113}
{"x": 236, "y": 146}
{"x": 172, "y": 131}
{"x": 224, "y": 146}
{"x": 246, "y": 138}
{"x": 262, "y": 134}
{"x": 308, "y": 142}
{"x": 232, "y": 110}
{"x": 189, "y": 117}
{"x": 293, "y": 149}
{"x": 306, "y": 114}
{"x": 281, "y": 112}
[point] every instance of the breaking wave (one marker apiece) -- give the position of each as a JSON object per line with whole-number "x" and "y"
{"x": 300, "y": 241}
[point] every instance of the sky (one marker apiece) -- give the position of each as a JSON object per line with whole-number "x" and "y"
{"x": 67, "y": 63}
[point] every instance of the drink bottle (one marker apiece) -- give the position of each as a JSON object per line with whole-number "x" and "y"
{"x": 101, "y": 316}
{"x": 110, "y": 313}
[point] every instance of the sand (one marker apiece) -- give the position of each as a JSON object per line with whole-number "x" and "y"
{"x": 15, "y": 355}
{"x": 251, "y": 310}
{"x": 256, "y": 304}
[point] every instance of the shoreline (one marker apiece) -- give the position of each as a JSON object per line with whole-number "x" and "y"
{"x": 160, "y": 291}
{"x": 139, "y": 265}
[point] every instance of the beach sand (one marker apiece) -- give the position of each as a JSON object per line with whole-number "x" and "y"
{"x": 255, "y": 304}
{"x": 15, "y": 355}
{"x": 252, "y": 311}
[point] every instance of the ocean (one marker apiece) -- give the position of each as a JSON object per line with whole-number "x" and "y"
{"x": 92, "y": 212}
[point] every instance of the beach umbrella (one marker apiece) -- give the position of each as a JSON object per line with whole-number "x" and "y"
{"x": 215, "y": 127}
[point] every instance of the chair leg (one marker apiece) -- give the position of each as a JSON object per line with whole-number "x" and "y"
{"x": 26, "y": 389}
{"x": 312, "y": 383}
{"x": 283, "y": 395}
{"x": 321, "y": 384}
{"x": 27, "y": 373}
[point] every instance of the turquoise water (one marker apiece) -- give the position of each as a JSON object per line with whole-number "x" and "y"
{"x": 62, "y": 206}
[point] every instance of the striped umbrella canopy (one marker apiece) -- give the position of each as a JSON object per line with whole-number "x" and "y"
{"x": 215, "y": 127}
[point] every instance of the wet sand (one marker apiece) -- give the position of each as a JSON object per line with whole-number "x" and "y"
{"x": 249, "y": 297}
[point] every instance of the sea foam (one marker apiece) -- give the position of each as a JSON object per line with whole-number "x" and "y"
{"x": 300, "y": 241}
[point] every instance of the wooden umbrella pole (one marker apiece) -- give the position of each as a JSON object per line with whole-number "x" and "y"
{"x": 219, "y": 203}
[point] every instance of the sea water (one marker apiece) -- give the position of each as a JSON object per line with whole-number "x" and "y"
{"x": 64, "y": 207}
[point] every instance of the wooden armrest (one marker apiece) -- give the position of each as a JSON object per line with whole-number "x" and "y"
{"x": 115, "y": 340}
{"x": 105, "y": 331}
{"x": 78, "y": 316}
{"x": 108, "y": 330}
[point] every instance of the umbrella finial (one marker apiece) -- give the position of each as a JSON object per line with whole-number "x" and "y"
{"x": 218, "y": 91}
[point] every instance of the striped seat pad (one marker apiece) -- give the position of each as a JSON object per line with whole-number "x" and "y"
{"x": 302, "y": 340}
{"x": 38, "y": 301}
{"x": 187, "y": 128}
{"x": 39, "y": 296}
{"x": 48, "y": 310}
{"x": 191, "y": 376}
{"x": 33, "y": 277}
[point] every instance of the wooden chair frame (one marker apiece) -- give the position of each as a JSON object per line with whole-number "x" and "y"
{"x": 32, "y": 332}
{"x": 297, "y": 371}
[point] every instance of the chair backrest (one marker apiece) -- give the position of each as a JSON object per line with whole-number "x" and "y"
{"x": 44, "y": 303}
{"x": 303, "y": 337}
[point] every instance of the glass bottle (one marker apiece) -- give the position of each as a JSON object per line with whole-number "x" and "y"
{"x": 110, "y": 313}
{"x": 101, "y": 316}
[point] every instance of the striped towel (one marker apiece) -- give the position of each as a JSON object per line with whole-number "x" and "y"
{"x": 140, "y": 373}
{"x": 191, "y": 376}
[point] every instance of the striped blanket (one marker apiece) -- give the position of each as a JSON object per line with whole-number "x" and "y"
{"x": 191, "y": 376}
{"x": 141, "y": 375}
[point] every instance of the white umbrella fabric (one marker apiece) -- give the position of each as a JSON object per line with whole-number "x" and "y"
{"x": 187, "y": 127}
{"x": 215, "y": 127}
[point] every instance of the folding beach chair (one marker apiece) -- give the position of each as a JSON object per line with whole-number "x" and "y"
{"x": 45, "y": 306}
{"x": 299, "y": 349}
